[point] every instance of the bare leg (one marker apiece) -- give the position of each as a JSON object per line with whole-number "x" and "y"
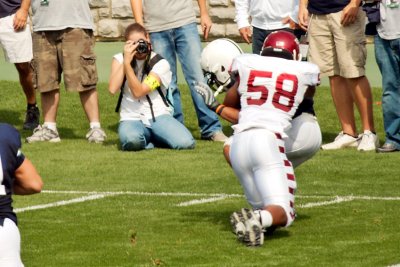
{"x": 26, "y": 80}
{"x": 363, "y": 99}
{"x": 343, "y": 100}
{"x": 90, "y": 104}
{"x": 50, "y": 102}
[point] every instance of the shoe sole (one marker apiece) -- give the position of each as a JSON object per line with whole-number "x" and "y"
{"x": 237, "y": 223}
{"x": 54, "y": 140}
{"x": 254, "y": 237}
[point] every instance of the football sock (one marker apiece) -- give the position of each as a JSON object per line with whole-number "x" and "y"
{"x": 266, "y": 218}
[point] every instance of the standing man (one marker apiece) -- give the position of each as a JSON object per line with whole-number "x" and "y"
{"x": 173, "y": 32}
{"x": 17, "y": 176}
{"x": 16, "y": 40}
{"x": 63, "y": 42}
{"x": 387, "y": 54}
{"x": 337, "y": 45}
{"x": 266, "y": 16}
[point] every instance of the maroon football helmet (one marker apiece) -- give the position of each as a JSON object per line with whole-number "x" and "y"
{"x": 281, "y": 44}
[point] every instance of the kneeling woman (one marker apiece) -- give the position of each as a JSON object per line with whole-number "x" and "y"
{"x": 146, "y": 113}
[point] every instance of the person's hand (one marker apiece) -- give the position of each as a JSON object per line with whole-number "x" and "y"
{"x": 349, "y": 14}
{"x": 20, "y": 19}
{"x": 208, "y": 96}
{"x": 129, "y": 51}
{"x": 303, "y": 17}
{"x": 206, "y": 23}
{"x": 246, "y": 34}
{"x": 292, "y": 25}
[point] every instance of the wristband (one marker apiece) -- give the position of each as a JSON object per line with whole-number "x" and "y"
{"x": 219, "y": 109}
{"x": 151, "y": 82}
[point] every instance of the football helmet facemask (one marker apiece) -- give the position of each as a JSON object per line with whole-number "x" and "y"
{"x": 216, "y": 60}
{"x": 281, "y": 44}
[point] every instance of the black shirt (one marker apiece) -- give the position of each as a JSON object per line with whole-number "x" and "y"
{"x": 11, "y": 159}
{"x": 9, "y": 7}
{"x": 321, "y": 7}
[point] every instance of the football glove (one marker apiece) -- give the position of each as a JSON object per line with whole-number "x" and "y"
{"x": 208, "y": 96}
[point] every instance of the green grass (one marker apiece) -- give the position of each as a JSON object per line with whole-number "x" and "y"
{"x": 134, "y": 229}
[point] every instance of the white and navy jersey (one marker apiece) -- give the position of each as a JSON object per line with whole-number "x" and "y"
{"x": 11, "y": 159}
{"x": 273, "y": 85}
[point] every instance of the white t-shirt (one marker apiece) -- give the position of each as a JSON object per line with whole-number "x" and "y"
{"x": 389, "y": 28}
{"x": 271, "y": 90}
{"x": 139, "y": 108}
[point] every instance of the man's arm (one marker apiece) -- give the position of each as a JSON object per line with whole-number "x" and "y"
{"x": 242, "y": 19}
{"x": 137, "y": 10}
{"x": 303, "y": 14}
{"x": 21, "y": 16}
{"x": 205, "y": 20}
{"x": 27, "y": 181}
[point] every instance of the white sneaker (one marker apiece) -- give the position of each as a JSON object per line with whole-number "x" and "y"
{"x": 341, "y": 141}
{"x": 369, "y": 141}
{"x": 218, "y": 136}
{"x": 96, "y": 135}
{"x": 41, "y": 134}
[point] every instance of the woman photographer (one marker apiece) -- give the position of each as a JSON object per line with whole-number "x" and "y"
{"x": 146, "y": 113}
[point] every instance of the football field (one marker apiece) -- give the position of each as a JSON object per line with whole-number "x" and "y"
{"x": 104, "y": 207}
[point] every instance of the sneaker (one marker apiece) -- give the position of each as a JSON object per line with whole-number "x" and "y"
{"x": 341, "y": 141}
{"x": 254, "y": 234}
{"x": 218, "y": 137}
{"x": 369, "y": 141}
{"x": 31, "y": 118}
{"x": 387, "y": 147}
{"x": 96, "y": 135}
{"x": 237, "y": 220}
{"x": 41, "y": 134}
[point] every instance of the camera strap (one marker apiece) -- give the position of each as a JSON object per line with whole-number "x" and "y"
{"x": 146, "y": 70}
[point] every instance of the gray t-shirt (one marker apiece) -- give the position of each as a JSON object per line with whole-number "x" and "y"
{"x": 161, "y": 15}
{"x": 389, "y": 28}
{"x": 61, "y": 14}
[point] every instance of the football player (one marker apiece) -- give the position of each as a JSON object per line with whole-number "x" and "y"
{"x": 17, "y": 176}
{"x": 268, "y": 91}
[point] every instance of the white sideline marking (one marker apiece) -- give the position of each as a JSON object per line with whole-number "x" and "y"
{"x": 208, "y": 198}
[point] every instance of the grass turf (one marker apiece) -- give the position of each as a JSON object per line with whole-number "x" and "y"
{"x": 140, "y": 226}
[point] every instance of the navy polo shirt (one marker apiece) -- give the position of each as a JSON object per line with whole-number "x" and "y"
{"x": 322, "y": 7}
{"x": 9, "y": 7}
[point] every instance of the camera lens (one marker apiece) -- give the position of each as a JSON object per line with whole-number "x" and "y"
{"x": 142, "y": 47}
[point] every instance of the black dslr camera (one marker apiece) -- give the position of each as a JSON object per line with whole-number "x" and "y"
{"x": 143, "y": 47}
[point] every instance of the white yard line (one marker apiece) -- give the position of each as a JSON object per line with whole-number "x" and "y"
{"x": 206, "y": 198}
{"x": 63, "y": 202}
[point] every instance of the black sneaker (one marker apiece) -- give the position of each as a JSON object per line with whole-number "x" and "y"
{"x": 31, "y": 118}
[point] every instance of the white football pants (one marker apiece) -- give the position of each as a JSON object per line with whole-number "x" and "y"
{"x": 259, "y": 161}
{"x": 10, "y": 245}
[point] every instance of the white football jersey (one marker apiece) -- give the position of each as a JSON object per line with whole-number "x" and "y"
{"x": 273, "y": 85}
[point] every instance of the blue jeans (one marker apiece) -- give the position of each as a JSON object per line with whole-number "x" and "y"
{"x": 185, "y": 42}
{"x": 166, "y": 132}
{"x": 387, "y": 54}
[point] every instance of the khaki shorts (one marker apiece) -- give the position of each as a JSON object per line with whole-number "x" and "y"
{"x": 69, "y": 51}
{"x": 338, "y": 50}
{"x": 17, "y": 45}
